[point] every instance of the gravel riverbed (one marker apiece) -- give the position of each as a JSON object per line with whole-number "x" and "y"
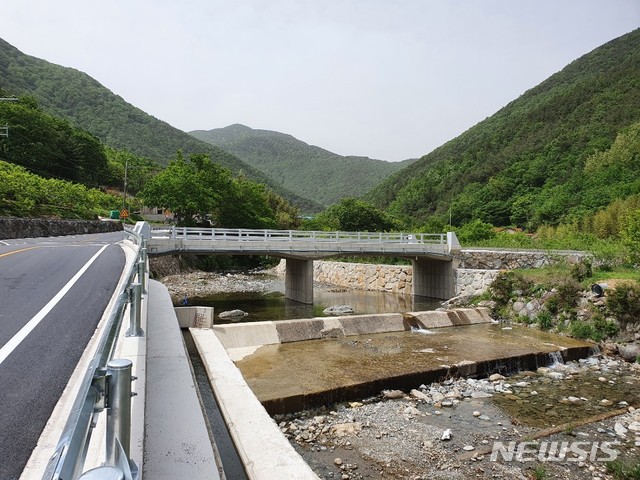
{"x": 448, "y": 430}
{"x": 560, "y": 422}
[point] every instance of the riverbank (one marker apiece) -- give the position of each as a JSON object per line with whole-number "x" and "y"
{"x": 449, "y": 430}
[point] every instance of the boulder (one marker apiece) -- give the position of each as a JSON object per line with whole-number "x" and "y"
{"x": 338, "y": 310}
{"x": 630, "y": 352}
{"x": 232, "y": 315}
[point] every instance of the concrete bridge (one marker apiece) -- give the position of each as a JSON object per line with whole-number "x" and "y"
{"x": 432, "y": 255}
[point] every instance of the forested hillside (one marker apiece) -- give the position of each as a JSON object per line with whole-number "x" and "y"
{"x": 74, "y": 96}
{"x": 304, "y": 169}
{"x": 545, "y": 158}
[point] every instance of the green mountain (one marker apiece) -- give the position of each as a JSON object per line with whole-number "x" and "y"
{"x": 78, "y": 98}
{"x": 304, "y": 169}
{"x": 535, "y": 161}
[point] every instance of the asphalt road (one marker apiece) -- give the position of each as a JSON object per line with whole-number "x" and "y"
{"x": 36, "y": 361}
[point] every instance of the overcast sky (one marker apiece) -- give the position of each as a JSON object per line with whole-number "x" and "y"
{"x": 388, "y": 79}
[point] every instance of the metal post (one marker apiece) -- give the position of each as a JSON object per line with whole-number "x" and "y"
{"x": 142, "y": 275}
{"x": 135, "y": 311}
{"x": 118, "y": 409}
{"x": 103, "y": 473}
{"x": 143, "y": 253}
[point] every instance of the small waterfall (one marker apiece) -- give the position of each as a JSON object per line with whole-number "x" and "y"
{"x": 556, "y": 358}
{"x": 423, "y": 331}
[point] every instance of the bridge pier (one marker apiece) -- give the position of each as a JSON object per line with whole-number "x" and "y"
{"x": 434, "y": 278}
{"x": 298, "y": 284}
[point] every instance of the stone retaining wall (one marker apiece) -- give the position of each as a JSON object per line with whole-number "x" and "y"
{"x": 512, "y": 259}
{"x": 12, "y": 227}
{"x": 390, "y": 278}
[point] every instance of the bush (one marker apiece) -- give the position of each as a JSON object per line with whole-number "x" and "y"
{"x": 604, "y": 327}
{"x": 623, "y": 302}
{"x": 545, "y": 320}
{"x": 582, "y": 270}
{"x": 582, "y": 330}
{"x": 506, "y": 284}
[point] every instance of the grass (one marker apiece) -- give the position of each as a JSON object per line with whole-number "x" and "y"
{"x": 624, "y": 471}
{"x": 538, "y": 473}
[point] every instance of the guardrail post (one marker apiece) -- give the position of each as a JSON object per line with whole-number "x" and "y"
{"x": 143, "y": 252}
{"x": 142, "y": 274}
{"x": 135, "y": 311}
{"x": 118, "y": 409}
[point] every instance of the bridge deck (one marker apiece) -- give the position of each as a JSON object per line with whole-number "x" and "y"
{"x": 297, "y": 243}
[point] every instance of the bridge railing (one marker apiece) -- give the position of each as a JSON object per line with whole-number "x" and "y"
{"x": 67, "y": 462}
{"x": 235, "y": 235}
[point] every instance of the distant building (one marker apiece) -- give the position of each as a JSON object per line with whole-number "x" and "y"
{"x": 156, "y": 214}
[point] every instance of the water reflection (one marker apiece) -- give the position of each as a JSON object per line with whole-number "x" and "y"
{"x": 273, "y": 306}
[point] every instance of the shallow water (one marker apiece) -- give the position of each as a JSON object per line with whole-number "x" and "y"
{"x": 352, "y": 365}
{"x": 548, "y": 405}
{"x": 271, "y": 305}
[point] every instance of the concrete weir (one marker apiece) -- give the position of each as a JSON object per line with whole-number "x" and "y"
{"x": 298, "y": 364}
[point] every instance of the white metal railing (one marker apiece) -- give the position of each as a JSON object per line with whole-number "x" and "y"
{"x": 248, "y": 235}
{"x": 106, "y": 385}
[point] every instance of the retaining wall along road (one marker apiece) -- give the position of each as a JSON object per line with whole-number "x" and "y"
{"x": 13, "y": 227}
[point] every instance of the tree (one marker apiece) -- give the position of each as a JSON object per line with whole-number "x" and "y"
{"x": 353, "y": 215}
{"x": 182, "y": 189}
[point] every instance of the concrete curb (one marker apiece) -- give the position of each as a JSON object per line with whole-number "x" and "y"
{"x": 264, "y": 451}
{"x": 177, "y": 441}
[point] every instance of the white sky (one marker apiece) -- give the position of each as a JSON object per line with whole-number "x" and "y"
{"x": 388, "y": 79}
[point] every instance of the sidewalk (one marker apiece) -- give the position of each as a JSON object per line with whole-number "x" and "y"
{"x": 177, "y": 442}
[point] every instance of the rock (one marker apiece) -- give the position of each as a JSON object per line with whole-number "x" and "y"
{"x": 555, "y": 375}
{"x": 338, "y": 310}
{"x": 344, "y": 429}
{"x": 602, "y": 379}
{"x": 392, "y": 394}
{"x": 232, "y": 315}
{"x": 620, "y": 429}
{"x": 634, "y": 426}
{"x": 411, "y": 411}
{"x": 446, "y": 435}
{"x": 437, "y": 397}
{"x": 606, "y": 403}
{"x": 496, "y": 377}
{"x": 419, "y": 395}
{"x": 476, "y": 413}
{"x": 480, "y": 395}
{"x": 630, "y": 352}
{"x": 337, "y": 461}
{"x": 468, "y": 448}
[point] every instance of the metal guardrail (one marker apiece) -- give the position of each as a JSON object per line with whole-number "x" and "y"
{"x": 105, "y": 385}
{"x": 241, "y": 235}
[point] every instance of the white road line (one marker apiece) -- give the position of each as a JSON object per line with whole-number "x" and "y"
{"x": 11, "y": 345}
{"x": 4, "y": 243}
